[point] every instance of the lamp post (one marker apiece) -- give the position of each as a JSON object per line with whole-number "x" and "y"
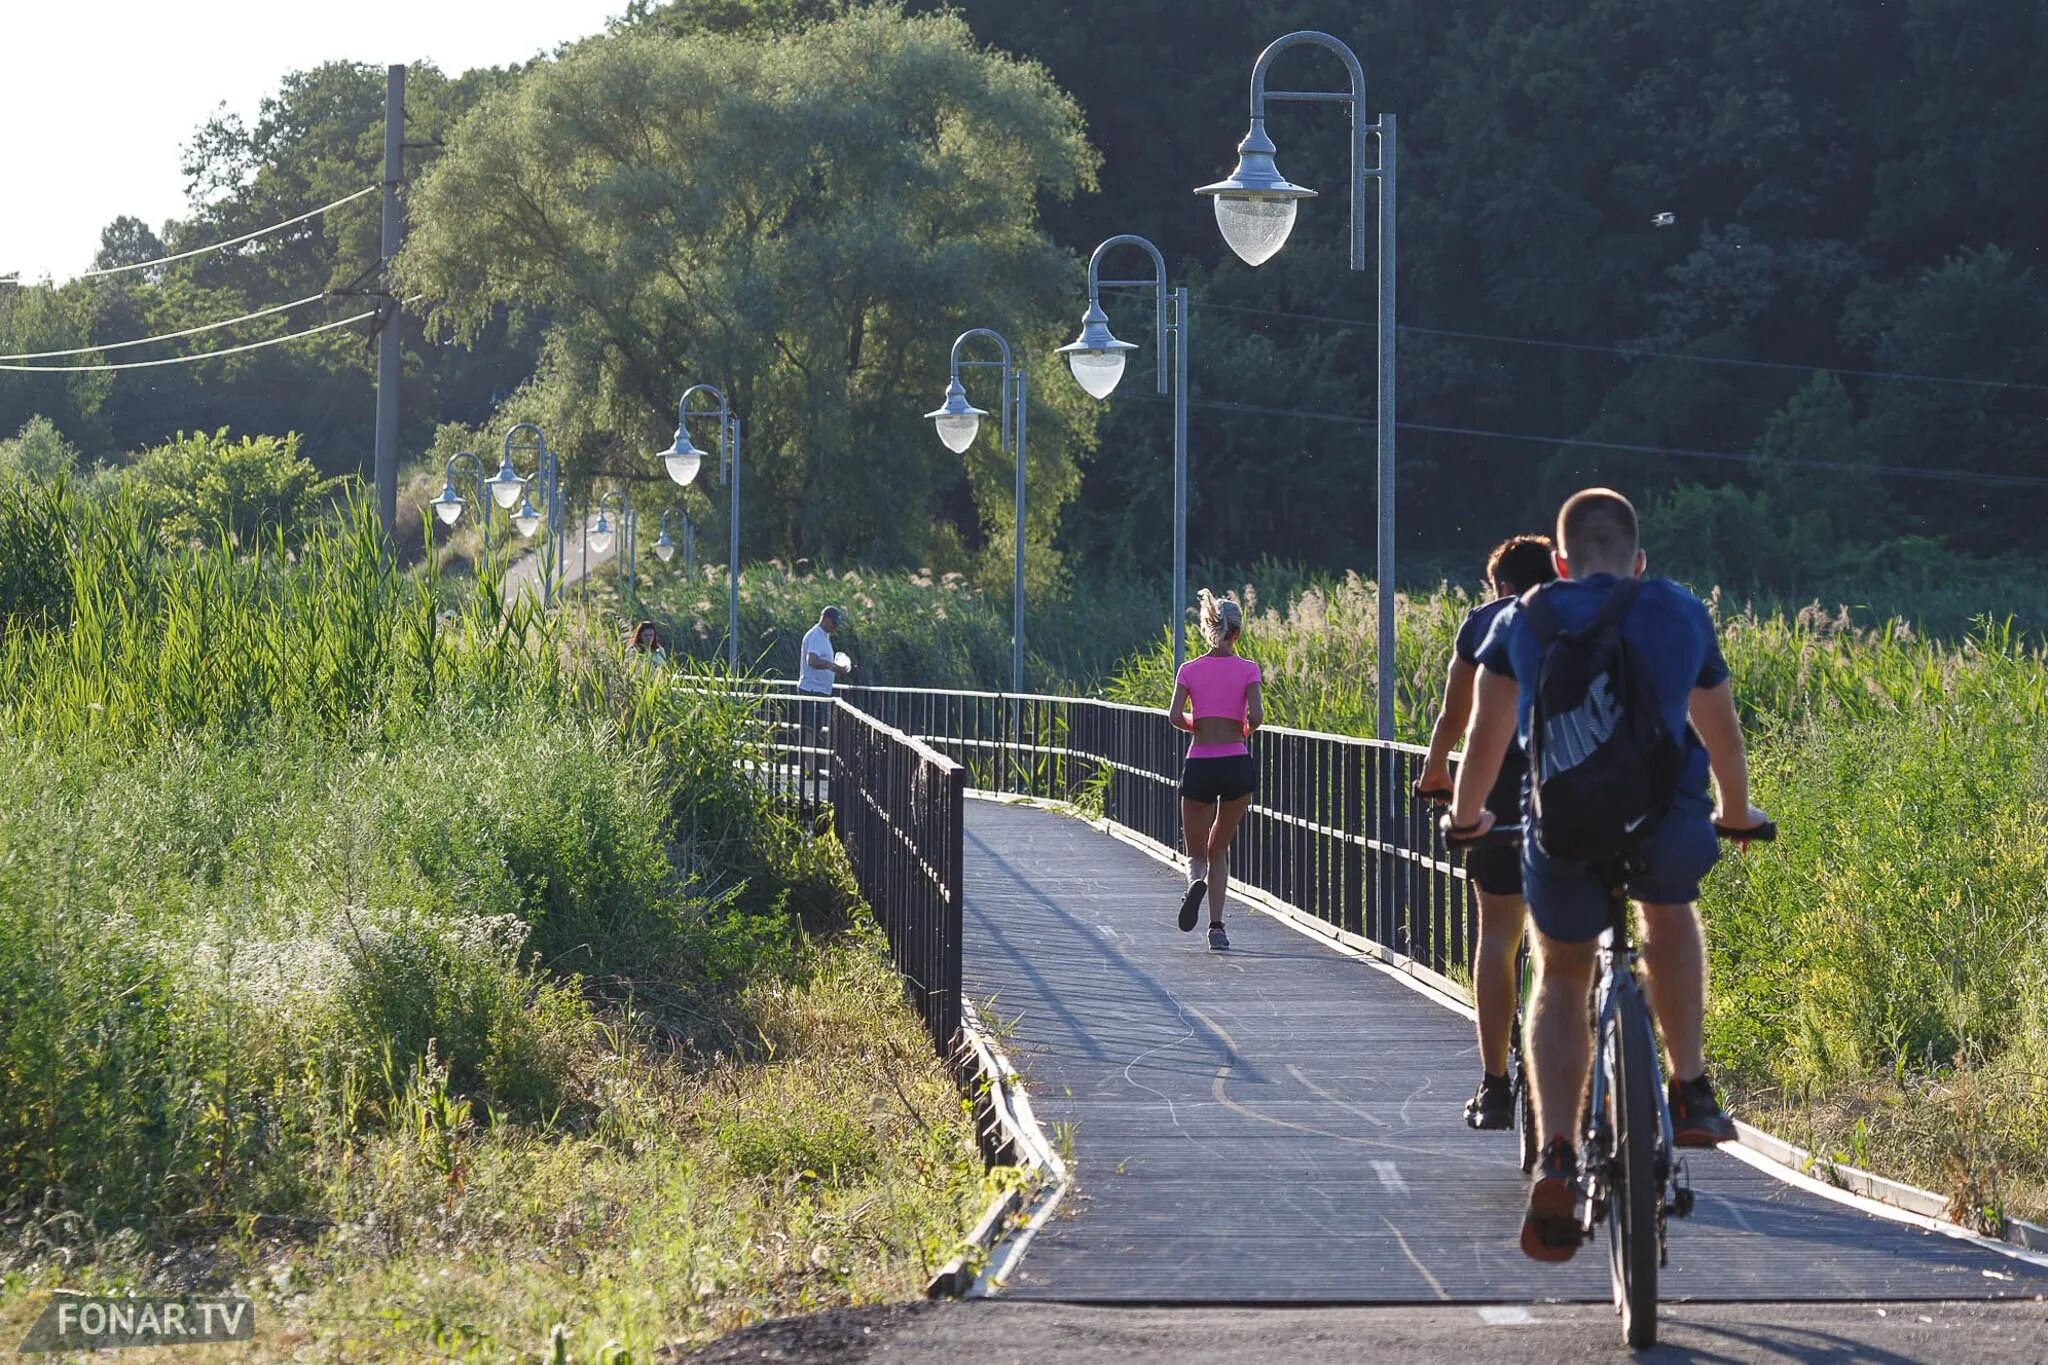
{"x": 1097, "y": 359}
{"x": 665, "y": 548}
{"x": 547, "y": 473}
{"x": 958, "y": 422}
{"x": 683, "y": 460}
{"x": 1255, "y": 209}
{"x": 448, "y": 507}
{"x": 606, "y": 533}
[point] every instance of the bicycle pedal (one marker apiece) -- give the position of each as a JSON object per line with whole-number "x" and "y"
{"x": 1681, "y": 1204}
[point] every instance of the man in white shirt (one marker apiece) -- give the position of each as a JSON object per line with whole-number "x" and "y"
{"x": 817, "y": 667}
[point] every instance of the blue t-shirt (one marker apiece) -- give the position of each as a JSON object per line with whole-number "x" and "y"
{"x": 1668, "y": 628}
{"x": 1478, "y": 621}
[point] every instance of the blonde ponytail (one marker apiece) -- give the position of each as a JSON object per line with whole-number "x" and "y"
{"x": 1222, "y": 620}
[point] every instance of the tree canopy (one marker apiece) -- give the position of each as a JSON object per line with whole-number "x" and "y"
{"x": 806, "y": 221}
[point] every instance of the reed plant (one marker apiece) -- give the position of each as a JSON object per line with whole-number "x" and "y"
{"x": 350, "y": 919}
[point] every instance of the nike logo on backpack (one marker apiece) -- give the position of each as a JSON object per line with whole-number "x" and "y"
{"x": 1570, "y": 739}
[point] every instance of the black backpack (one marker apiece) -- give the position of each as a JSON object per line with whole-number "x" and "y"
{"x": 1603, "y": 768}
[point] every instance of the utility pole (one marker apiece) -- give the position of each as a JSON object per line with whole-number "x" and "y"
{"x": 388, "y": 360}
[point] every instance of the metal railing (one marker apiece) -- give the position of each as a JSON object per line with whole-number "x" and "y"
{"x": 897, "y": 807}
{"x": 1332, "y": 833}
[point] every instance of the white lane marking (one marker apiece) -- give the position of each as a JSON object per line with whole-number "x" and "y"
{"x": 1390, "y": 1176}
{"x": 1505, "y": 1317}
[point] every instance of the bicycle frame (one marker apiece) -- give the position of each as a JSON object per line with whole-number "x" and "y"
{"x": 1617, "y": 976}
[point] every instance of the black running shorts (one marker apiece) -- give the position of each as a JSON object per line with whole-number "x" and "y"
{"x": 1497, "y": 868}
{"x": 1218, "y": 779}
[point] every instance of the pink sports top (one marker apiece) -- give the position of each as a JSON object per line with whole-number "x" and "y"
{"x": 1218, "y": 686}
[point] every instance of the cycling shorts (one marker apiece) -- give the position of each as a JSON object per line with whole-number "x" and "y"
{"x": 1568, "y": 901}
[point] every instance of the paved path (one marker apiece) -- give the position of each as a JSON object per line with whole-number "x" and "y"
{"x": 1281, "y": 1123}
{"x": 522, "y": 576}
{"x": 994, "y": 1332}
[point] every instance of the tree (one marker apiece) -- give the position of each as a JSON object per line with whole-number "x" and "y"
{"x": 206, "y": 487}
{"x": 38, "y": 451}
{"x": 806, "y": 220}
{"x": 127, "y": 241}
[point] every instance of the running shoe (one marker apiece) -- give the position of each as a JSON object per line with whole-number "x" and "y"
{"x": 1218, "y": 940}
{"x": 1697, "y": 1119}
{"x": 1191, "y": 903}
{"x": 1492, "y": 1106}
{"x": 1550, "y": 1228}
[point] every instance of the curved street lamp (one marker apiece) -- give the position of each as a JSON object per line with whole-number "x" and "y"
{"x": 1255, "y": 210}
{"x": 1097, "y": 359}
{"x": 665, "y": 547}
{"x": 959, "y": 421}
{"x": 448, "y": 507}
{"x": 683, "y": 460}
{"x": 607, "y": 533}
{"x": 547, "y": 473}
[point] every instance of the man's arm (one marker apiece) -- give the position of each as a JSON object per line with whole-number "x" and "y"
{"x": 1486, "y": 744}
{"x": 1720, "y": 729}
{"x": 1450, "y": 723}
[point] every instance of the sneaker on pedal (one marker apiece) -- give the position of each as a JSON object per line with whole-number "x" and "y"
{"x": 1697, "y": 1119}
{"x": 1550, "y": 1228}
{"x": 1492, "y": 1106}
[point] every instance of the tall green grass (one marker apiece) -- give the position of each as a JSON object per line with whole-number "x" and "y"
{"x": 330, "y": 898}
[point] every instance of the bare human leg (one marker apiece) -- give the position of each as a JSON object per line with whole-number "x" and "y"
{"x": 1560, "y": 1044}
{"x": 1228, "y": 814}
{"x": 1675, "y": 954}
{"x": 1196, "y": 817}
{"x": 1493, "y": 975}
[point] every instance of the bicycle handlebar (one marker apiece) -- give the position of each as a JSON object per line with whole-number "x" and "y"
{"x": 1511, "y": 834}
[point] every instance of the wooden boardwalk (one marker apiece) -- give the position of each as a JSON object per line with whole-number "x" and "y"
{"x": 1281, "y": 1123}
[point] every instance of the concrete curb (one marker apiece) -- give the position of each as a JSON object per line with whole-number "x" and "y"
{"x": 1009, "y": 1128}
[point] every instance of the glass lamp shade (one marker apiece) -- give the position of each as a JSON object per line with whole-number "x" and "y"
{"x": 448, "y": 507}
{"x": 601, "y": 536}
{"x": 1097, "y": 371}
{"x": 1255, "y": 226}
{"x": 958, "y": 429}
{"x": 526, "y": 520}
{"x": 507, "y": 486}
{"x": 683, "y": 465}
{"x": 664, "y": 549}
{"x": 682, "y": 458}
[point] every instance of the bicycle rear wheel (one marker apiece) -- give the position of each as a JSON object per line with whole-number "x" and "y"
{"x": 1525, "y": 1111}
{"x": 1634, "y": 1194}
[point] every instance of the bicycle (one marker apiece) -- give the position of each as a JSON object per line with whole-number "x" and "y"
{"x": 1630, "y": 1175}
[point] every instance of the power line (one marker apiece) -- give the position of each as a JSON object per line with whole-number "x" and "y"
{"x": 166, "y": 336}
{"x": 1639, "y": 352}
{"x": 232, "y": 241}
{"x": 201, "y": 355}
{"x": 1677, "y": 452}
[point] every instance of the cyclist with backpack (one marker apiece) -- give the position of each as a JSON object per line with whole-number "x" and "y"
{"x": 1618, "y": 690}
{"x": 1515, "y": 566}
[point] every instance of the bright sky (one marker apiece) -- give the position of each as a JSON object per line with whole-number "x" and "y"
{"x": 100, "y": 96}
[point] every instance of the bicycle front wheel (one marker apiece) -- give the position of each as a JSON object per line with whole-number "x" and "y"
{"x": 1635, "y": 1191}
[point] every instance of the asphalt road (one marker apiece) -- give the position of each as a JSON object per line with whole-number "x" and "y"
{"x": 992, "y": 1332}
